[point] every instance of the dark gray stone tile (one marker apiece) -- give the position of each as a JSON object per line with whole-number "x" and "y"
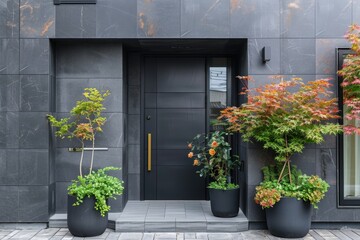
{"x": 9, "y": 56}
{"x": 116, "y": 205}
{"x": 134, "y": 159}
{"x": 9, "y": 203}
{"x": 134, "y": 186}
{"x": 332, "y": 18}
{"x": 34, "y": 130}
{"x": 34, "y": 167}
{"x": 255, "y": 19}
{"x": 133, "y": 129}
{"x": 298, "y": 18}
{"x": 116, "y": 18}
{"x": 61, "y": 196}
{"x": 75, "y": 21}
{"x": 34, "y": 93}
{"x": 34, "y": 56}
{"x": 67, "y": 163}
{"x": 298, "y": 56}
{"x": 356, "y": 11}
{"x": 326, "y": 54}
{"x": 158, "y": 18}
{"x": 134, "y": 70}
{"x": 9, "y": 165}
{"x": 329, "y": 141}
{"x": 9, "y": 130}
{"x": 89, "y": 60}
{"x": 9, "y": 92}
{"x": 134, "y": 100}
{"x": 305, "y": 161}
{"x": 326, "y": 165}
{"x": 205, "y": 19}
{"x": 258, "y": 158}
{"x": 33, "y": 204}
{"x": 68, "y": 91}
{"x": 9, "y": 19}
{"x": 37, "y": 19}
{"x": 256, "y": 64}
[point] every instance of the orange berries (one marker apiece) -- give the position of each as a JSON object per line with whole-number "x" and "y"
{"x": 196, "y": 162}
{"x": 212, "y": 152}
{"x": 190, "y": 145}
{"x": 214, "y": 144}
{"x": 190, "y": 155}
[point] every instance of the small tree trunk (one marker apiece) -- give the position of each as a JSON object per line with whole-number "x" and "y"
{"x": 81, "y": 158}
{"x": 92, "y": 154}
{"x": 289, "y": 169}
{"x": 282, "y": 172}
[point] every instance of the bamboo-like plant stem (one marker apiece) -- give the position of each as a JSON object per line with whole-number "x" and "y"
{"x": 81, "y": 158}
{"x": 289, "y": 169}
{"x": 282, "y": 171}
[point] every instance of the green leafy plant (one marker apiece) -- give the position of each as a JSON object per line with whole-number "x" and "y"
{"x": 98, "y": 184}
{"x": 350, "y": 73}
{"x": 213, "y": 153}
{"x": 307, "y": 188}
{"x": 84, "y": 123}
{"x": 285, "y": 116}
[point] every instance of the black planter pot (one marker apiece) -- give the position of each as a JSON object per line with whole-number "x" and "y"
{"x": 224, "y": 203}
{"x": 289, "y": 218}
{"x": 84, "y": 220}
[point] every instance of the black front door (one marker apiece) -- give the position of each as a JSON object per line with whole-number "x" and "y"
{"x": 175, "y": 111}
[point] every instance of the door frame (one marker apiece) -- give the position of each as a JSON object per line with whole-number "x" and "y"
{"x": 232, "y": 93}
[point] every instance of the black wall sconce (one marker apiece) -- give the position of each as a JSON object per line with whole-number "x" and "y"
{"x": 266, "y": 54}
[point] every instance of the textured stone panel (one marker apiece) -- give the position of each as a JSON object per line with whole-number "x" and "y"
{"x": 256, "y": 63}
{"x": 158, "y": 18}
{"x": 34, "y": 56}
{"x": 332, "y": 18}
{"x": 298, "y": 56}
{"x": 34, "y": 167}
{"x": 326, "y": 55}
{"x": 34, "y": 130}
{"x": 255, "y": 18}
{"x": 9, "y": 18}
{"x": 34, "y": 93}
{"x": 205, "y": 18}
{"x": 33, "y": 204}
{"x": 75, "y": 21}
{"x": 89, "y": 60}
{"x": 68, "y": 91}
{"x": 9, "y": 204}
{"x": 9, "y": 130}
{"x": 9, "y": 56}
{"x": 9, "y": 164}
{"x": 37, "y": 19}
{"x": 116, "y": 18}
{"x": 9, "y": 93}
{"x": 298, "y": 18}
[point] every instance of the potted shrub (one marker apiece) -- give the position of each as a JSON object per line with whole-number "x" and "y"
{"x": 88, "y": 195}
{"x": 213, "y": 153}
{"x": 350, "y": 73}
{"x": 284, "y": 117}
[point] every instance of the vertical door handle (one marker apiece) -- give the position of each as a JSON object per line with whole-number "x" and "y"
{"x": 149, "y": 153}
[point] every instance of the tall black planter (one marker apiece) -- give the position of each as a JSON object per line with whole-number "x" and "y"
{"x": 224, "y": 203}
{"x": 289, "y": 218}
{"x": 84, "y": 220}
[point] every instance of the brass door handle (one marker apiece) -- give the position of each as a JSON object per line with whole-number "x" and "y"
{"x": 149, "y": 153}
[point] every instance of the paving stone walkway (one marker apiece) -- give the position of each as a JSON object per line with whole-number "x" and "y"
{"x": 64, "y": 234}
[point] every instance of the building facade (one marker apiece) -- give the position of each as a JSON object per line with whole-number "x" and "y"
{"x": 169, "y": 65}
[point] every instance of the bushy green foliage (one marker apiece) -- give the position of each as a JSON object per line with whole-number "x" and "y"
{"x": 213, "y": 153}
{"x": 223, "y": 185}
{"x": 307, "y": 188}
{"x": 98, "y": 184}
{"x": 350, "y": 73}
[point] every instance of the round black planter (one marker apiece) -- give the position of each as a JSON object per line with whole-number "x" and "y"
{"x": 289, "y": 218}
{"x": 224, "y": 203}
{"x": 84, "y": 220}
